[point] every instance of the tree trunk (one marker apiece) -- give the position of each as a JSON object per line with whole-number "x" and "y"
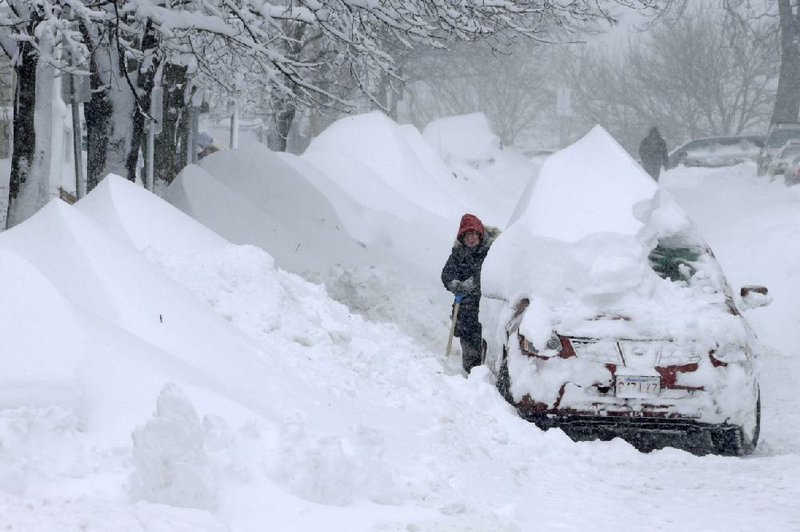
{"x": 284, "y": 107}
{"x": 170, "y": 152}
{"x": 97, "y": 114}
{"x": 109, "y": 115}
{"x": 32, "y": 188}
{"x": 787, "y": 99}
{"x": 382, "y": 93}
{"x": 24, "y": 130}
{"x": 144, "y": 82}
{"x": 284, "y": 111}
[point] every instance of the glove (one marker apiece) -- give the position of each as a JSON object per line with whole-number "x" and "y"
{"x": 462, "y": 287}
{"x": 467, "y": 285}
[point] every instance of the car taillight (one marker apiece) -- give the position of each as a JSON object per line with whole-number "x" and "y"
{"x": 728, "y": 354}
{"x": 556, "y": 345}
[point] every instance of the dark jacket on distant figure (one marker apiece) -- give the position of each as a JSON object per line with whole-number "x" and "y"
{"x": 653, "y": 153}
{"x": 465, "y": 263}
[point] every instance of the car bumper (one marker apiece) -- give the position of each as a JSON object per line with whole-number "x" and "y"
{"x": 725, "y": 402}
{"x": 645, "y": 433}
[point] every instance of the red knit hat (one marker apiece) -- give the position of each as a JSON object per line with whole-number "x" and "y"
{"x": 470, "y": 222}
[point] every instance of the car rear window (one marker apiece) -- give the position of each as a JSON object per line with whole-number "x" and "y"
{"x": 673, "y": 263}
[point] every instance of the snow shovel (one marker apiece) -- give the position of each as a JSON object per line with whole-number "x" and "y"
{"x": 459, "y": 298}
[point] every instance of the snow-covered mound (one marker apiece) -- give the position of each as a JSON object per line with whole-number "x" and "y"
{"x": 130, "y": 213}
{"x": 283, "y": 205}
{"x": 376, "y": 215}
{"x": 408, "y": 170}
{"x": 251, "y": 196}
{"x": 116, "y": 328}
{"x": 400, "y": 182}
{"x": 465, "y": 138}
{"x": 475, "y": 157}
{"x": 584, "y": 189}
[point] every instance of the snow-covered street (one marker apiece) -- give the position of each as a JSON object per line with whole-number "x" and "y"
{"x": 165, "y": 377}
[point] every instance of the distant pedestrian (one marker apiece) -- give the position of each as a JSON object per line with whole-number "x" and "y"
{"x": 653, "y": 153}
{"x": 462, "y": 276}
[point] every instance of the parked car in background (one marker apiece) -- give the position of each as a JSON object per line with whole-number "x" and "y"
{"x": 538, "y": 154}
{"x": 713, "y": 152}
{"x": 777, "y": 136}
{"x": 791, "y": 176}
{"x": 779, "y": 163}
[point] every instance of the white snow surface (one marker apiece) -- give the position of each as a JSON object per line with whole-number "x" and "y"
{"x": 158, "y": 374}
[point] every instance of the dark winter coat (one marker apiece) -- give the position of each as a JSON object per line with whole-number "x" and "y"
{"x": 465, "y": 263}
{"x": 653, "y": 153}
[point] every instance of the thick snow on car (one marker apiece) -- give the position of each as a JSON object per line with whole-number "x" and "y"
{"x": 611, "y": 316}
{"x": 713, "y": 152}
{"x": 778, "y": 135}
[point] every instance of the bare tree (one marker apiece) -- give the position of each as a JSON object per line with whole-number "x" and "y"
{"x": 787, "y": 98}
{"x": 124, "y": 47}
{"x": 778, "y": 17}
{"x": 511, "y": 87}
{"x": 698, "y": 75}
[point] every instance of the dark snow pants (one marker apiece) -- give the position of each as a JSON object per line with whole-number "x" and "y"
{"x": 470, "y": 355}
{"x": 469, "y": 332}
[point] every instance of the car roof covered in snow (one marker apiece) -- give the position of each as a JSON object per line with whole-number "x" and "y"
{"x": 594, "y": 236}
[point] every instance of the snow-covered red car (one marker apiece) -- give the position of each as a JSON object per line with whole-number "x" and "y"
{"x": 615, "y": 318}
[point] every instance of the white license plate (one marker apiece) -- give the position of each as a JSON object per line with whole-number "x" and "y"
{"x": 637, "y": 386}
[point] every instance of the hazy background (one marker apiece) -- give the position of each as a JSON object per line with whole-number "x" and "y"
{"x": 694, "y": 72}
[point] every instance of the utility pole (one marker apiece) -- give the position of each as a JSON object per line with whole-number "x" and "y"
{"x": 75, "y": 98}
{"x": 154, "y": 125}
{"x": 234, "y": 110}
{"x": 77, "y": 139}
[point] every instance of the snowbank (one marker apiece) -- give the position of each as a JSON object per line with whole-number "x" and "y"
{"x": 275, "y": 207}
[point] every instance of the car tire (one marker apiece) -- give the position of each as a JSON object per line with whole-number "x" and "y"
{"x": 503, "y": 379}
{"x": 748, "y": 446}
{"x": 732, "y": 441}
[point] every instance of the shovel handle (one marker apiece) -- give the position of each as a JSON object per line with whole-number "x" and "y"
{"x": 453, "y": 326}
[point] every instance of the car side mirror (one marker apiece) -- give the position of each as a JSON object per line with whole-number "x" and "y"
{"x": 755, "y": 296}
{"x": 519, "y": 310}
